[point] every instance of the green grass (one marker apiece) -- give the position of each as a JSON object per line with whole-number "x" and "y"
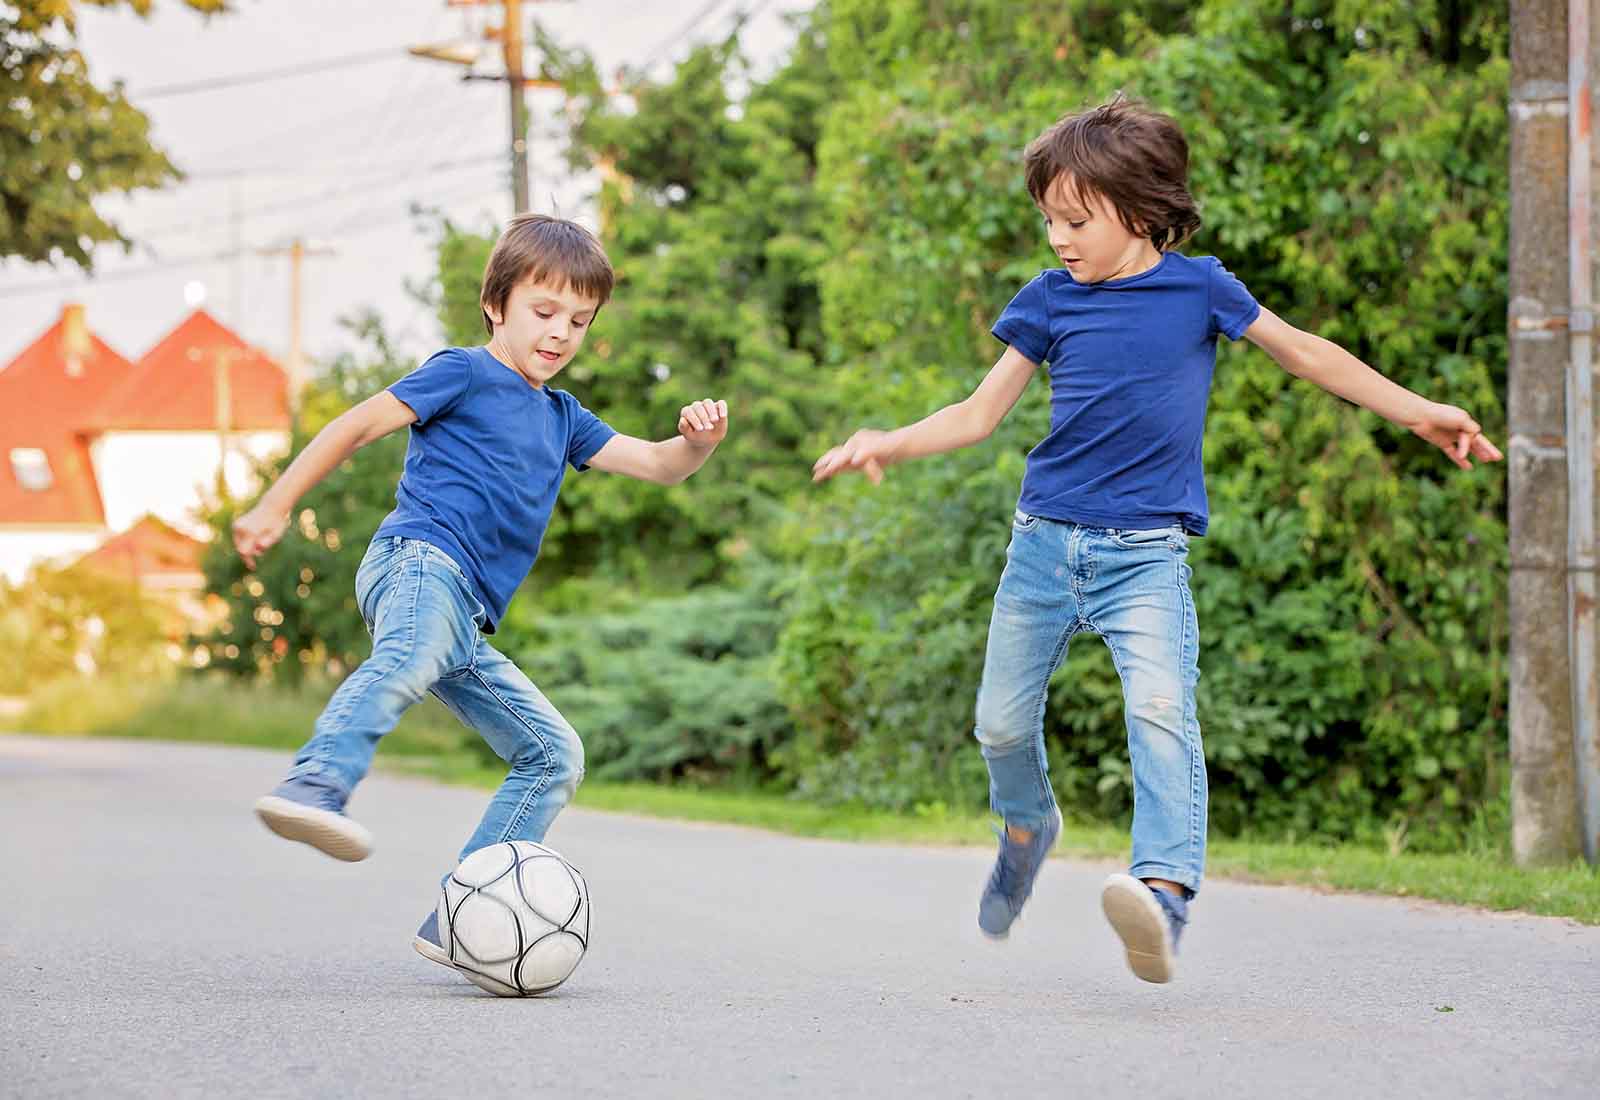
{"x": 430, "y": 742}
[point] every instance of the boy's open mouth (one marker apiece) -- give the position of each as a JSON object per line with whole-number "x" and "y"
{"x": 549, "y": 356}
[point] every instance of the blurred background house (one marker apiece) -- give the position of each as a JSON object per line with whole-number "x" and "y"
{"x": 111, "y": 462}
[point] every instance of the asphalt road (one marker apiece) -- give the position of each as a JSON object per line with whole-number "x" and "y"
{"x": 156, "y": 941}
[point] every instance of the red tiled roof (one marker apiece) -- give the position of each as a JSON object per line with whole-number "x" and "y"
{"x": 149, "y": 548}
{"x": 46, "y": 394}
{"x": 174, "y": 385}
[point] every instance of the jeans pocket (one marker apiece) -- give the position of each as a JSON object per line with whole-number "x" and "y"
{"x": 1172, "y": 536}
{"x": 1022, "y": 521}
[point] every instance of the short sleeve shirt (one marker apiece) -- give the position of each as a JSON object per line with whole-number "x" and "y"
{"x": 485, "y": 461}
{"x": 1130, "y": 363}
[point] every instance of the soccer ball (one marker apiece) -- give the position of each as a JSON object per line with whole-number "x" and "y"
{"x": 514, "y": 918}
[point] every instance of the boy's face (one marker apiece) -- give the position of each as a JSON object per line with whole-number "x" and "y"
{"x": 542, "y": 328}
{"x": 1089, "y": 238}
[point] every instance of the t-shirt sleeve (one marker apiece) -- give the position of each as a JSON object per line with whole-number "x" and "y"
{"x": 1025, "y": 324}
{"x": 1232, "y": 308}
{"x": 586, "y": 435}
{"x": 434, "y": 388}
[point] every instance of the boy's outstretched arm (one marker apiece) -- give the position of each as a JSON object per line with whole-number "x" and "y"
{"x": 701, "y": 426}
{"x": 373, "y": 419}
{"x": 1325, "y": 363}
{"x": 960, "y": 425}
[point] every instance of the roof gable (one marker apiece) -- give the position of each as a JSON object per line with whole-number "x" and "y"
{"x": 47, "y": 394}
{"x": 192, "y": 373}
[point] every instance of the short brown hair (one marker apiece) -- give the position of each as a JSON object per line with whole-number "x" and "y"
{"x": 1136, "y": 158}
{"x": 547, "y": 250}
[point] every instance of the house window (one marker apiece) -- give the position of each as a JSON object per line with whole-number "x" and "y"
{"x": 32, "y": 467}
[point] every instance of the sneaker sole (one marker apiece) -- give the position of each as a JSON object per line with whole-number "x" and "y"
{"x": 1139, "y": 921}
{"x": 328, "y": 832}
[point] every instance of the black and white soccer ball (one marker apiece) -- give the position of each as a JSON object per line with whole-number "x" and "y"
{"x": 514, "y": 918}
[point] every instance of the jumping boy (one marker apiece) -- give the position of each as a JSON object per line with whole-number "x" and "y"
{"x": 490, "y": 443}
{"x": 1111, "y": 496}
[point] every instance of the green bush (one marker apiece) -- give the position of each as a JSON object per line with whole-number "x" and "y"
{"x": 677, "y": 687}
{"x": 73, "y": 622}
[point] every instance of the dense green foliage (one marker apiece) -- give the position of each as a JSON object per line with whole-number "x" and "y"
{"x": 65, "y": 141}
{"x": 826, "y": 246}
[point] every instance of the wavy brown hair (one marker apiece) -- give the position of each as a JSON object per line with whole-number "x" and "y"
{"x": 1135, "y": 157}
{"x": 547, "y": 250}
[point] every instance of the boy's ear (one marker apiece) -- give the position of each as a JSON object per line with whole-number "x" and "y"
{"x": 495, "y": 315}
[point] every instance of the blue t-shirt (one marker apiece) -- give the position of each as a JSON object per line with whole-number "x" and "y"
{"x": 486, "y": 458}
{"x": 1130, "y": 373}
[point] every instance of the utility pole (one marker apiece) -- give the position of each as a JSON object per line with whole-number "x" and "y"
{"x": 1555, "y": 673}
{"x": 510, "y": 35}
{"x": 297, "y": 251}
{"x": 511, "y": 39}
{"x": 222, "y": 359}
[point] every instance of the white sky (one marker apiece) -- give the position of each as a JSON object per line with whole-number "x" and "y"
{"x": 336, "y": 157}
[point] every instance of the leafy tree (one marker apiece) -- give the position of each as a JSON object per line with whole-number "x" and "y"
{"x": 64, "y": 141}
{"x": 74, "y": 622}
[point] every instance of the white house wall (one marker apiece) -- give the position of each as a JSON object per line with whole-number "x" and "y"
{"x": 21, "y": 550}
{"x": 173, "y": 475}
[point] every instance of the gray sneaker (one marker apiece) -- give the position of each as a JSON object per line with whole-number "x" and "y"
{"x": 310, "y": 809}
{"x": 428, "y": 944}
{"x": 1011, "y": 881}
{"x": 1149, "y": 922}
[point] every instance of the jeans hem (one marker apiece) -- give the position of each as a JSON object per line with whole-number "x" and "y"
{"x": 1188, "y": 880}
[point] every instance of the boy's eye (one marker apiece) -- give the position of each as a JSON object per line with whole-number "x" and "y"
{"x": 580, "y": 324}
{"x": 1075, "y": 225}
{"x": 542, "y": 313}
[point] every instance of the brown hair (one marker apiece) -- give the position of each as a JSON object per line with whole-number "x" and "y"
{"x": 1136, "y": 158}
{"x": 546, "y": 250}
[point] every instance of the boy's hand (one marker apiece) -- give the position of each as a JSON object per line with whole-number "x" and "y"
{"x": 1456, "y": 434}
{"x": 704, "y": 423}
{"x": 256, "y": 530}
{"x": 868, "y": 451}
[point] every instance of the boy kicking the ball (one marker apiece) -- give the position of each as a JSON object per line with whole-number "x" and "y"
{"x": 1111, "y": 496}
{"x": 490, "y": 444}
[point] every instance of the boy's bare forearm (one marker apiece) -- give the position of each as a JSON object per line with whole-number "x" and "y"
{"x": 1329, "y": 366}
{"x": 951, "y": 428}
{"x": 677, "y": 459}
{"x": 331, "y": 446}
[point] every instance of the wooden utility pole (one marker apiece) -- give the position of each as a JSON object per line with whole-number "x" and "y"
{"x": 297, "y": 251}
{"x": 1555, "y": 674}
{"x": 510, "y": 35}
{"x": 511, "y": 38}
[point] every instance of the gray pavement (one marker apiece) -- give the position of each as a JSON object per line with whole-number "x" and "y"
{"x": 156, "y": 941}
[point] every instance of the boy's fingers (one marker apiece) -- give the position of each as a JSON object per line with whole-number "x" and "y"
{"x": 722, "y": 407}
{"x": 873, "y": 471}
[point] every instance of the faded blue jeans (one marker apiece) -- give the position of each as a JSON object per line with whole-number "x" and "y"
{"x": 424, "y": 622}
{"x": 1131, "y": 588}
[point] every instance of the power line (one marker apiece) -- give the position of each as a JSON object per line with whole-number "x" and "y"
{"x": 667, "y": 43}
{"x": 201, "y": 258}
{"x": 343, "y": 190}
{"x": 346, "y": 61}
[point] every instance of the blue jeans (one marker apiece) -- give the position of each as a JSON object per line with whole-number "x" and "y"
{"x": 1131, "y": 588}
{"x": 424, "y": 622}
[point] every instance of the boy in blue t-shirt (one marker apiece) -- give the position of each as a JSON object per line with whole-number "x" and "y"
{"x": 1111, "y": 496}
{"x": 490, "y": 444}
